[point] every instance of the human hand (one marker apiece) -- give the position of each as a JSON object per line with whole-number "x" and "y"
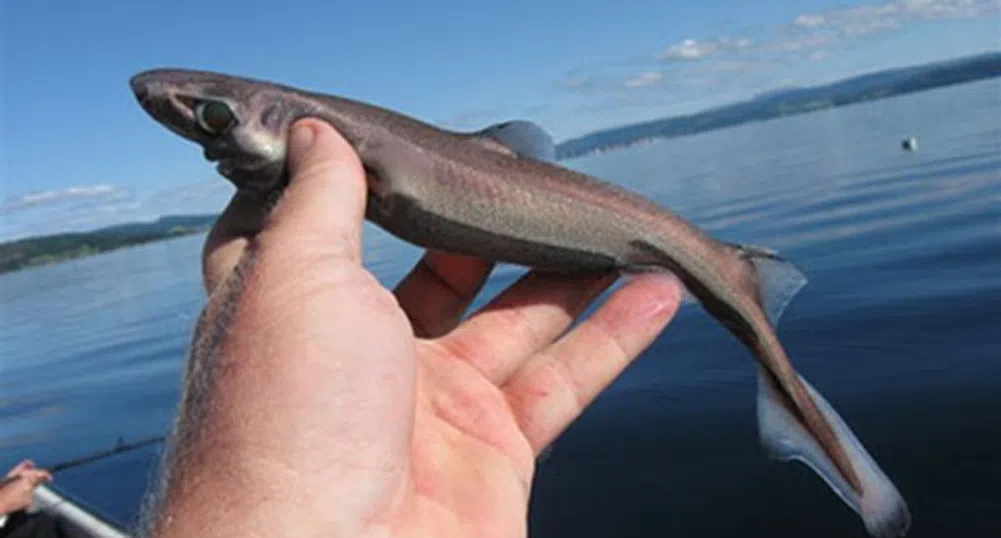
{"x": 319, "y": 403}
{"x": 17, "y": 490}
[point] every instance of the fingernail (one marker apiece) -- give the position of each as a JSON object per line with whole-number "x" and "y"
{"x": 302, "y": 137}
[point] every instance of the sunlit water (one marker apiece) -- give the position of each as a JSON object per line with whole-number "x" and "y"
{"x": 900, "y": 327}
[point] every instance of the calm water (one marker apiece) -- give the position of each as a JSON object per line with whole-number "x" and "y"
{"x": 898, "y": 328}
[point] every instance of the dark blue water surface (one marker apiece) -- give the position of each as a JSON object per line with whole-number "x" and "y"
{"x": 900, "y": 327}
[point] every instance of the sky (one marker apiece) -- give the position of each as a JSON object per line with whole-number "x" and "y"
{"x": 78, "y": 153}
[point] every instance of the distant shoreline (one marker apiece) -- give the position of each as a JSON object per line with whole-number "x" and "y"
{"x": 37, "y": 251}
{"x": 776, "y": 104}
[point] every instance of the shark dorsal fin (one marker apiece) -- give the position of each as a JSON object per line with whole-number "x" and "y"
{"x": 519, "y": 138}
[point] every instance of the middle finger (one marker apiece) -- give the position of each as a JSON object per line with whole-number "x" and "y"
{"x": 439, "y": 289}
{"x": 522, "y": 320}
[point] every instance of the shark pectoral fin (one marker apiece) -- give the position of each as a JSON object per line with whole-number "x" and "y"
{"x": 784, "y": 437}
{"x": 521, "y": 138}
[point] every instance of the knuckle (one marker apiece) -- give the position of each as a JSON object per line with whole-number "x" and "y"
{"x": 544, "y": 400}
{"x": 605, "y": 342}
{"x": 318, "y": 166}
{"x": 307, "y": 248}
{"x": 469, "y": 348}
{"x": 325, "y": 165}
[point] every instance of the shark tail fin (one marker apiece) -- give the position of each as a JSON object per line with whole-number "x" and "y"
{"x": 785, "y": 438}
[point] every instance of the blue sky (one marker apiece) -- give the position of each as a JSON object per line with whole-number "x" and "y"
{"x": 78, "y": 153}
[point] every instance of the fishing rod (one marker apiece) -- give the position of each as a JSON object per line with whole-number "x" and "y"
{"x": 119, "y": 448}
{"x": 122, "y": 446}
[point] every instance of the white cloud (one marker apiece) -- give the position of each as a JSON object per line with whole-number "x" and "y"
{"x": 689, "y": 49}
{"x": 743, "y": 43}
{"x": 797, "y": 43}
{"x": 812, "y": 30}
{"x": 100, "y": 192}
{"x": 648, "y": 78}
{"x": 871, "y": 18}
{"x": 794, "y": 49}
{"x": 949, "y": 9}
{"x": 693, "y": 49}
{"x": 810, "y": 21}
{"x": 818, "y": 55}
{"x": 80, "y": 208}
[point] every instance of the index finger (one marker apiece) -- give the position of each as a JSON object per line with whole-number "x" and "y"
{"x": 554, "y": 387}
{"x": 436, "y": 293}
{"x": 231, "y": 235}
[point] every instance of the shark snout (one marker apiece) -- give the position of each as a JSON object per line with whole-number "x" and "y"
{"x": 145, "y": 88}
{"x": 159, "y": 97}
{"x": 141, "y": 92}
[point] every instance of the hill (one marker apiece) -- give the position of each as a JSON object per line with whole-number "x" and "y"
{"x": 784, "y": 102}
{"x": 34, "y": 251}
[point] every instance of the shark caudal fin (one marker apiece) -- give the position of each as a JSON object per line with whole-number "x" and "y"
{"x": 784, "y": 435}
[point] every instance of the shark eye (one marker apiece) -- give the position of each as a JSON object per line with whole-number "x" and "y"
{"x": 214, "y": 117}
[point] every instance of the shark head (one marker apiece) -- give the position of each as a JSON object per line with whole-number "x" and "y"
{"x": 241, "y": 124}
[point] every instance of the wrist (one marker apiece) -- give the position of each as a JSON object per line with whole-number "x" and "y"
{"x": 220, "y": 494}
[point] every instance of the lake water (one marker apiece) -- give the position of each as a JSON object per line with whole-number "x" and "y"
{"x": 900, "y": 327}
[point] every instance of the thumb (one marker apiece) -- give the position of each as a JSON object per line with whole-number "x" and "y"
{"x": 324, "y": 204}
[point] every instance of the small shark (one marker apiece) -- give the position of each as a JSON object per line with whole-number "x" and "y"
{"x": 497, "y": 194}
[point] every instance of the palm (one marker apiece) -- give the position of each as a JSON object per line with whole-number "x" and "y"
{"x": 492, "y": 392}
{"x": 471, "y": 466}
